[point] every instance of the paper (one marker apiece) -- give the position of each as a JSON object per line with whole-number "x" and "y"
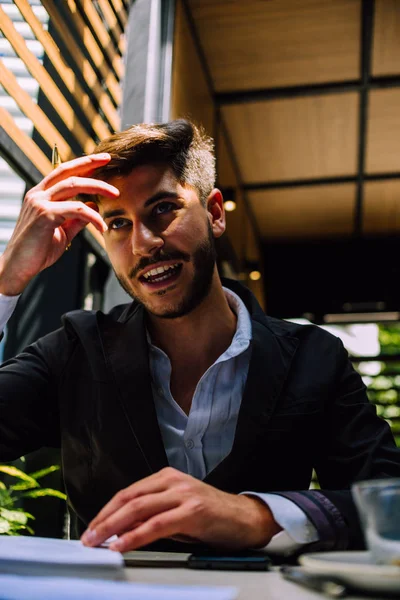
{"x": 49, "y": 550}
{"x": 61, "y": 588}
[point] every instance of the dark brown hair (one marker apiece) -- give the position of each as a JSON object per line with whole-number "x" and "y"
{"x": 179, "y": 144}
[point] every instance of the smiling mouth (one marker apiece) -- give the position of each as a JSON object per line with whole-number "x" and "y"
{"x": 162, "y": 274}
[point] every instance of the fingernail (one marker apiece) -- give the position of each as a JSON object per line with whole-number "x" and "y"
{"x": 89, "y": 537}
{"x": 117, "y": 545}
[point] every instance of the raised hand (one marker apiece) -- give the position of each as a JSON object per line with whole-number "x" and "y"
{"x": 50, "y": 219}
{"x": 173, "y": 504}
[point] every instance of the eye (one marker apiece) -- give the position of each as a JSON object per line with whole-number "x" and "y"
{"x": 164, "y": 207}
{"x": 118, "y": 223}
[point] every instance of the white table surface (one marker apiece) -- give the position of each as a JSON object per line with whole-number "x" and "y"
{"x": 252, "y": 586}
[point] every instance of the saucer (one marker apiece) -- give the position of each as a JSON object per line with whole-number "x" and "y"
{"x": 355, "y": 569}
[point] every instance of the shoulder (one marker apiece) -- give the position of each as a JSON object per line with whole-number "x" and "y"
{"x": 311, "y": 340}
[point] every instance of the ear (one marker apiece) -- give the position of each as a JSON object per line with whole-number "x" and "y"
{"x": 216, "y": 212}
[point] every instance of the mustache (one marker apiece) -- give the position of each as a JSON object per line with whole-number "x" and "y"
{"x": 160, "y": 256}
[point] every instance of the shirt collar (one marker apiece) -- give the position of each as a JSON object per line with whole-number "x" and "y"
{"x": 243, "y": 334}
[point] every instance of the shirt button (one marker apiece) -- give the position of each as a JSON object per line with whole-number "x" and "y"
{"x": 189, "y": 444}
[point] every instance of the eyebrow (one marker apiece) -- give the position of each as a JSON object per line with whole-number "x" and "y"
{"x": 118, "y": 212}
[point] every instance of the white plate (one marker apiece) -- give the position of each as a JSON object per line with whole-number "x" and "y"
{"x": 356, "y": 569}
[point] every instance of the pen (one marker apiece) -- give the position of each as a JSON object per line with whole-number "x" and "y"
{"x": 55, "y": 157}
{"x": 331, "y": 586}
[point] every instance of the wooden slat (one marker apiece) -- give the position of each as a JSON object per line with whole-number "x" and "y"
{"x": 46, "y": 83}
{"x": 386, "y": 46}
{"x": 113, "y": 24}
{"x": 103, "y": 36}
{"x": 381, "y": 209}
{"x": 255, "y": 44}
{"x": 121, "y": 12}
{"x": 305, "y": 212}
{"x": 31, "y": 150}
{"x": 42, "y": 123}
{"x": 66, "y": 73}
{"x": 383, "y": 132}
{"x": 88, "y": 72}
{"x": 95, "y": 52}
{"x": 295, "y": 138}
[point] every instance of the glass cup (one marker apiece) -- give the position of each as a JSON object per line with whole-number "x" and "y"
{"x": 378, "y": 503}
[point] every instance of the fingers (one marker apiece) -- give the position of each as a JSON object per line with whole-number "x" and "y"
{"x": 150, "y": 485}
{"x": 81, "y": 166}
{"x": 68, "y": 188}
{"x": 131, "y": 515}
{"x": 59, "y": 212}
{"x": 164, "y": 525}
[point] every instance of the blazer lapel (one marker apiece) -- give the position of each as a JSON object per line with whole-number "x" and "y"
{"x": 270, "y": 361}
{"x": 126, "y": 352}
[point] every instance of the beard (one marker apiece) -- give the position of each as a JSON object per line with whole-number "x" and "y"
{"x": 203, "y": 259}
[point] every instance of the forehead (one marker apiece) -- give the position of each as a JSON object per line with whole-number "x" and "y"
{"x": 145, "y": 181}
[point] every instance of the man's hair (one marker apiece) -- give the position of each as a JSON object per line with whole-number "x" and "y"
{"x": 179, "y": 144}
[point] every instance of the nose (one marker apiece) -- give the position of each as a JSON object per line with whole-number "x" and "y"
{"x": 144, "y": 241}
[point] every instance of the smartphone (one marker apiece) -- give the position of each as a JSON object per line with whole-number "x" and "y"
{"x": 238, "y": 561}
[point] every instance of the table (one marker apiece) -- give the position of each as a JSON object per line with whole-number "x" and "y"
{"x": 251, "y": 586}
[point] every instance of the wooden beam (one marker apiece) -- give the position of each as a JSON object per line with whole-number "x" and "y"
{"x": 89, "y": 74}
{"x": 103, "y": 36}
{"x": 46, "y": 83}
{"x": 95, "y": 52}
{"x": 45, "y": 127}
{"x": 113, "y": 24}
{"x": 66, "y": 73}
{"x": 31, "y": 149}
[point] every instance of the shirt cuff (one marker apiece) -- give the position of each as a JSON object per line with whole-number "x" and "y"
{"x": 7, "y": 306}
{"x": 297, "y": 528}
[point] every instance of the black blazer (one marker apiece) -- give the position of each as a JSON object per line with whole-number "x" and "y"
{"x": 86, "y": 388}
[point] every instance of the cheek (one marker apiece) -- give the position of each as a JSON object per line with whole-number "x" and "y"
{"x": 186, "y": 230}
{"x": 117, "y": 253}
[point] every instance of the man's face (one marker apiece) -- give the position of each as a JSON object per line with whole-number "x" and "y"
{"x": 160, "y": 241}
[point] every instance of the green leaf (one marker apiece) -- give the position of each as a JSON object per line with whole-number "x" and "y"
{"x": 2, "y": 485}
{"x": 14, "y": 472}
{"x": 5, "y": 526}
{"x": 14, "y": 516}
{"x": 25, "y": 485}
{"x": 43, "y": 472}
{"x": 5, "y": 499}
{"x": 44, "y": 492}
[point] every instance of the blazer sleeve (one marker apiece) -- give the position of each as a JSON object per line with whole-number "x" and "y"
{"x": 29, "y": 416}
{"x": 356, "y": 444}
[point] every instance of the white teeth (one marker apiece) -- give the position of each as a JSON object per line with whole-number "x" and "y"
{"x": 159, "y": 270}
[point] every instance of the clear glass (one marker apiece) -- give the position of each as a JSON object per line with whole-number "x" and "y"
{"x": 378, "y": 503}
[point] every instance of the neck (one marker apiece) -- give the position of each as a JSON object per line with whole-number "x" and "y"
{"x": 202, "y": 335}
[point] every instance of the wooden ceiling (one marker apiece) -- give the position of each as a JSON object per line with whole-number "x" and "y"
{"x": 309, "y": 91}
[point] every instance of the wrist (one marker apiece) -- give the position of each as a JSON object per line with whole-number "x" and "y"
{"x": 263, "y": 524}
{"x": 9, "y": 285}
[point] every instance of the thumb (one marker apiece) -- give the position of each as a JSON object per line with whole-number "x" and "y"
{"x": 71, "y": 228}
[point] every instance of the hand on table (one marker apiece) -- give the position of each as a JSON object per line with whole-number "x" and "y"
{"x": 50, "y": 219}
{"x": 173, "y": 504}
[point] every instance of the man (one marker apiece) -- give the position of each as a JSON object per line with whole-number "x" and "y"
{"x": 192, "y": 374}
